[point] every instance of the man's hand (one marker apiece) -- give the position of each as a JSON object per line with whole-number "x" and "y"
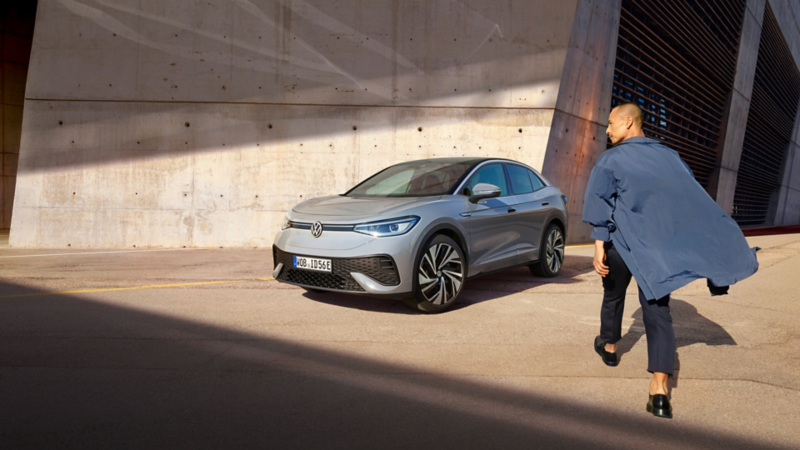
{"x": 600, "y": 258}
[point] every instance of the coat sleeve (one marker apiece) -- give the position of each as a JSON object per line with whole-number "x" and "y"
{"x": 599, "y": 202}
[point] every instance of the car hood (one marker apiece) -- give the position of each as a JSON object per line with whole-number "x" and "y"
{"x": 338, "y": 208}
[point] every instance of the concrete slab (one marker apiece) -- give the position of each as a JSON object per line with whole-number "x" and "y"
{"x": 256, "y": 363}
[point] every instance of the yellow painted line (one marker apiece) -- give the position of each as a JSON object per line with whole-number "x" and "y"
{"x": 580, "y": 245}
{"x": 152, "y": 286}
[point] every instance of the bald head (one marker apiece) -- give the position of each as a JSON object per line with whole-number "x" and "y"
{"x": 625, "y": 121}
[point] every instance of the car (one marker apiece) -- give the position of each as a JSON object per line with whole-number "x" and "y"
{"x": 419, "y": 230}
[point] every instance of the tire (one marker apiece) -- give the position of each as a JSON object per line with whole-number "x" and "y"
{"x": 440, "y": 270}
{"x": 551, "y": 253}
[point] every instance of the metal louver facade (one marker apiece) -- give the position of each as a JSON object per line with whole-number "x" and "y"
{"x": 677, "y": 60}
{"x": 770, "y": 123}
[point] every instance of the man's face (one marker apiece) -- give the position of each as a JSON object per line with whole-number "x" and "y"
{"x": 617, "y": 127}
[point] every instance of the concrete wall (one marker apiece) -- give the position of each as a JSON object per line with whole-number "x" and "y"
{"x": 154, "y": 123}
{"x": 16, "y": 33}
{"x": 787, "y": 211}
{"x": 577, "y": 137}
{"x": 723, "y": 182}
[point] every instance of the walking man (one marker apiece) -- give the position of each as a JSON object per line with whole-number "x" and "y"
{"x": 653, "y": 222}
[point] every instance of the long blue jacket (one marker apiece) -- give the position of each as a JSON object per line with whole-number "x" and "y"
{"x": 668, "y": 230}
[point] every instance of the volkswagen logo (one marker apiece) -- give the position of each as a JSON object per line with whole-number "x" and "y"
{"x": 316, "y": 230}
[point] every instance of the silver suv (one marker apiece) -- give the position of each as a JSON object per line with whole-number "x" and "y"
{"x": 418, "y": 230}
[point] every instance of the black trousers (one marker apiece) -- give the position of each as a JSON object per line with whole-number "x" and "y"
{"x": 655, "y": 314}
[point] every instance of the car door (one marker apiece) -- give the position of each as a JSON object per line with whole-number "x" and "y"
{"x": 533, "y": 206}
{"x": 492, "y": 233}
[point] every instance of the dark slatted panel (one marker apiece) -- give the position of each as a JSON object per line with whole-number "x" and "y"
{"x": 770, "y": 122}
{"x": 677, "y": 60}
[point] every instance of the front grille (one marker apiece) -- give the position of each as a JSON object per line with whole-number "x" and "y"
{"x": 380, "y": 268}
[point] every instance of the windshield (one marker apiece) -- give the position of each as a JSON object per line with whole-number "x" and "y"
{"x": 412, "y": 179}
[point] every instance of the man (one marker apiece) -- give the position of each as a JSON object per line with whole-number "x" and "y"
{"x": 653, "y": 222}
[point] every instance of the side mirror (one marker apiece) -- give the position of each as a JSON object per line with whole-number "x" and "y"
{"x": 484, "y": 190}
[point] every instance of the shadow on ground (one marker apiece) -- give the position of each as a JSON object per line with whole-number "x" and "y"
{"x": 78, "y": 373}
{"x": 694, "y": 329}
{"x": 491, "y": 286}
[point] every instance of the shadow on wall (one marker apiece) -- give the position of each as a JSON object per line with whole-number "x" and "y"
{"x": 77, "y": 372}
{"x": 235, "y": 73}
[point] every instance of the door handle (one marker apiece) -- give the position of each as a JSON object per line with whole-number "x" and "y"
{"x": 545, "y": 203}
{"x": 512, "y": 210}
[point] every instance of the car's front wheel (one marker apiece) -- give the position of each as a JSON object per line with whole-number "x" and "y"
{"x": 440, "y": 275}
{"x": 551, "y": 253}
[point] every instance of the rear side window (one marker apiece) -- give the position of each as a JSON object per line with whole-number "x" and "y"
{"x": 492, "y": 174}
{"x": 520, "y": 179}
{"x": 535, "y": 180}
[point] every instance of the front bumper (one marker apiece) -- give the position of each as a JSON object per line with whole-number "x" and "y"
{"x": 376, "y": 274}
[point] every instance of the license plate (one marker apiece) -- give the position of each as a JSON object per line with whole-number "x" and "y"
{"x": 320, "y": 265}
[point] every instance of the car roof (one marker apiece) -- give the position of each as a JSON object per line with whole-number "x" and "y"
{"x": 460, "y": 160}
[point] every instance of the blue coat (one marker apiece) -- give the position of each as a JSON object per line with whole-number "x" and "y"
{"x": 668, "y": 230}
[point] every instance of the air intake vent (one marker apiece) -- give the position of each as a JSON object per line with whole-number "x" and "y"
{"x": 770, "y": 123}
{"x": 677, "y": 59}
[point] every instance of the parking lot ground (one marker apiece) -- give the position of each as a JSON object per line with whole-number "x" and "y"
{"x": 200, "y": 349}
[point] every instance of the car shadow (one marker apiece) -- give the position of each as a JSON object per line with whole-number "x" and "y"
{"x": 690, "y": 326}
{"x": 487, "y": 287}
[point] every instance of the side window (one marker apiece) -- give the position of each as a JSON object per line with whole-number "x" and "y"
{"x": 536, "y": 181}
{"x": 520, "y": 180}
{"x": 492, "y": 174}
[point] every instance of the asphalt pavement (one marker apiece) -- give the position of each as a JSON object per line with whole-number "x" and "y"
{"x": 195, "y": 348}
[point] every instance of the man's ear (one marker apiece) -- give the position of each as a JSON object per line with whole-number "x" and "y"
{"x": 628, "y": 122}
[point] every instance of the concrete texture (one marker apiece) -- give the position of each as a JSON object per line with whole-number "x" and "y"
{"x": 577, "y": 136}
{"x": 169, "y": 126}
{"x": 724, "y": 184}
{"x": 188, "y": 113}
{"x": 256, "y": 364}
{"x": 16, "y": 34}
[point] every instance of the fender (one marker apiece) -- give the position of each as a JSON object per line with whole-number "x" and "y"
{"x": 433, "y": 229}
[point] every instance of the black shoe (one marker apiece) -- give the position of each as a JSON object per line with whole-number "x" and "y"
{"x": 609, "y": 358}
{"x": 659, "y": 406}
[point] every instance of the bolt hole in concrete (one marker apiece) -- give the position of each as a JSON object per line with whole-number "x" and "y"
{"x": 269, "y": 126}
{"x": 187, "y": 124}
{"x": 355, "y": 128}
{"x": 419, "y": 129}
{"x": 60, "y": 122}
{"x": 520, "y": 130}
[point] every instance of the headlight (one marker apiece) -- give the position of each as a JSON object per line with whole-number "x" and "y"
{"x": 386, "y": 228}
{"x": 286, "y": 224}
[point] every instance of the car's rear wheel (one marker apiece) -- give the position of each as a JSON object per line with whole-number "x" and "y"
{"x": 551, "y": 253}
{"x": 440, "y": 273}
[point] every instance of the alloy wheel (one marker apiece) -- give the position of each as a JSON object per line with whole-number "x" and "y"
{"x": 554, "y": 251}
{"x": 441, "y": 274}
